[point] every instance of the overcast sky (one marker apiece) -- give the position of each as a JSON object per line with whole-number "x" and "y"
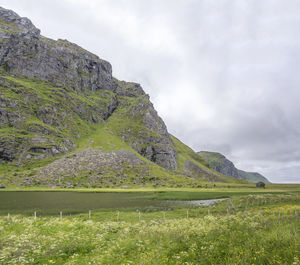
{"x": 223, "y": 74}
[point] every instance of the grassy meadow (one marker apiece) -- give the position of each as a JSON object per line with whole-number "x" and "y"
{"x": 247, "y": 228}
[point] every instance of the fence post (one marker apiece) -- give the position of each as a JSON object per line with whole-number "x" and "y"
{"x": 233, "y": 206}
{"x": 8, "y": 217}
{"x": 139, "y": 216}
{"x": 60, "y": 215}
{"x": 90, "y": 213}
{"x": 187, "y": 214}
{"x": 34, "y": 215}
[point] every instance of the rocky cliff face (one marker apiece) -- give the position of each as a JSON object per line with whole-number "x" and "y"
{"x": 24, "y": 51}
{"x": 148, "y": 133}
{"x": 54, "y": 92}
{"x": 221, "y": 164}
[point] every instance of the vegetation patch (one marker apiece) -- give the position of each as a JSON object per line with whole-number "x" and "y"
{"x": 246, "y": 230}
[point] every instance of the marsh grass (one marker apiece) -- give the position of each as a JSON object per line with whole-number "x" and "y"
{"x": 51, "y": 202}
{"x": 251, "y": 232}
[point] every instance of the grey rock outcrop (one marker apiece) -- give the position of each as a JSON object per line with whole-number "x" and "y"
{"x": 192, "y": 170}
{"x": 158, "y": 147}
{"x": 24, "y": 51}
{"x": 153, "y": 141}
{"x": 52, "y": 91}
{"x": 127, "y": 89}
{"x": 220, "y": 163}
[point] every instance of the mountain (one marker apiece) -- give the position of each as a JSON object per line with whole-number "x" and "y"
{"x": 66, "y": 121}
{"x": 221, "y": 164}
{"x": 252, "y": 176}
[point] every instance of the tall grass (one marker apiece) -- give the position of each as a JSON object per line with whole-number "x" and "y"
{"x": 245, "y": 230}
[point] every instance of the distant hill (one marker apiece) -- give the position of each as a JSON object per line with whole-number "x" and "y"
{"x": 221, "y": 164}
{"x": 252, "y": 176}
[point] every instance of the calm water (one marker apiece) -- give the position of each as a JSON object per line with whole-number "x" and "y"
{"x": 51, "y": 203}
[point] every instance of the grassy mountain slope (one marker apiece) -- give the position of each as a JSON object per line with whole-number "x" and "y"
{"x": 195, "y": 166}
{"x": 104, "y": 136}
{"x": 221, "y": 164}
{"x": 66, "y": 121}
{"x": 252, "y": 176}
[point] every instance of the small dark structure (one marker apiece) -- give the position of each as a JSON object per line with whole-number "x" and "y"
{"x": 260, "y": 184}
{"x": 2, "y": 186}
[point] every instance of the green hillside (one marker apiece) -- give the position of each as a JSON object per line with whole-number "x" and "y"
{"x": 65, "y": 121}
{"x": 36, "y": 139}
{"x": 195, "y": 166}
{"x": 221, "y": 164}
{"x": 252, "y": 176}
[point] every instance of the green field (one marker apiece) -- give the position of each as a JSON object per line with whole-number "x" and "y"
{"x": 253, "y": 226}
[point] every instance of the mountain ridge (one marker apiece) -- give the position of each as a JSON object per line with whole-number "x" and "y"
{"x": 220, "y": 163}
{"x": 66, "y": 65}
{"x": 62, "y": 113}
